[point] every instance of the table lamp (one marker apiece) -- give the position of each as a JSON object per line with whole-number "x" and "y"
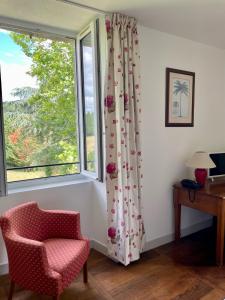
{"x": 201, "y": 162}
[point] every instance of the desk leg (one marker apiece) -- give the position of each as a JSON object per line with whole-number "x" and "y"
{"x": 220, "y": 236}
{"x": 177, "y": 212}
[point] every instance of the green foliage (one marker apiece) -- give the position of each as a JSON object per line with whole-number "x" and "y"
{"x": 23, "y": 93}
{"x": 20, "y": 146}
{"x": 19, "y": 140}
{"x": 91, "y": 161}
{"x": 41, "y": 126}
{"x": 89, "y": 118}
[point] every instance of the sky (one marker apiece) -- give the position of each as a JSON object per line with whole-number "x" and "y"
{"x": 14, "y": 66}
{"x": 88, "y": 78}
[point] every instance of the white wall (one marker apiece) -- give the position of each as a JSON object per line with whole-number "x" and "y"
{"x": 99, "y": 213}
{"x": 165, "y": 150}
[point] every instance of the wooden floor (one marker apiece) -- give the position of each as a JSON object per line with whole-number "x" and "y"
{"x": 182, "y": 271}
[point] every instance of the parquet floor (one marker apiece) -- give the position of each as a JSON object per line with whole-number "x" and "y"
{"x": 176, "y": 271}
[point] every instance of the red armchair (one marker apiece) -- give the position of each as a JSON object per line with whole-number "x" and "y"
{"x": 45, "y": 248}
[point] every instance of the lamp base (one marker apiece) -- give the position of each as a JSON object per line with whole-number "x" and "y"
{"x": 200, "y": 176}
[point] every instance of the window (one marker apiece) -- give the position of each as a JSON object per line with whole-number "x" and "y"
{"x": 40, "y": 108}
{"x": 88, "y": 102}
{"x": 88, "y": 70}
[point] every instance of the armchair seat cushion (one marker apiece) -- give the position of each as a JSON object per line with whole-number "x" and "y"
{"x": 67, "y": 257}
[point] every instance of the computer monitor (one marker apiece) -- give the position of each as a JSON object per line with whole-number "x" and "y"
{"x": 219, "y": 160}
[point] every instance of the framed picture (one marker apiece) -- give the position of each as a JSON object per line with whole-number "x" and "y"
{"x": 180, "y": 90}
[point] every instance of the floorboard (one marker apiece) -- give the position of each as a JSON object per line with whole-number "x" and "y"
{"x": 177, "y": 271}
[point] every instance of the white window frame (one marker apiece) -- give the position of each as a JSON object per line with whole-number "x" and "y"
{"x": 3, "y": 180}
{"x": 93, "y": 27}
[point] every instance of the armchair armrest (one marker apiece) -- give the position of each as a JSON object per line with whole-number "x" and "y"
{"x": 61, "y": 223}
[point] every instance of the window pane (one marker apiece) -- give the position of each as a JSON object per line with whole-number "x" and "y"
{"x": 39, "y": 106}
{"x": 88, "y": 102}
{"x": 41, "y": 172}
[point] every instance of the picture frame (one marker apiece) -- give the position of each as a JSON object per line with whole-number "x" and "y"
{"x": 180, "y": 91}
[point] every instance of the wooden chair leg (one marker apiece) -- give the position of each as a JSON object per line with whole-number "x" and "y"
{"x": 11, "y": 290}
{"x": 85, "y": 273}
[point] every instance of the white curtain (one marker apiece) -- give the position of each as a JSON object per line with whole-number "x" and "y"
{"x": 123, "y": 152}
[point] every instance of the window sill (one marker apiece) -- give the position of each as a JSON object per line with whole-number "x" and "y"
{"x": 47, "y": 183}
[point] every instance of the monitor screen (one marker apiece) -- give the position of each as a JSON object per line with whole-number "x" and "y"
{"x": 219, "y": 160}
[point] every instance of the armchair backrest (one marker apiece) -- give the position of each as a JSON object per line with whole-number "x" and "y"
{"x": 23, "y": 220}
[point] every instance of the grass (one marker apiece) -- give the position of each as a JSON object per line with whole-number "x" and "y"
{"x": 18, "y": 175}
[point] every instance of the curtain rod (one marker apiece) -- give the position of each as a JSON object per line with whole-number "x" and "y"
{"x": 32, "y": 28}
{"x": 70, "y": 2}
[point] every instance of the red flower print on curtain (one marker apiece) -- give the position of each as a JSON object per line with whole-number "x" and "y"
{"x": 123, "y": 152}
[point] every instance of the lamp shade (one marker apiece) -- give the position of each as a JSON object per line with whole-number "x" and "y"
{"x": 200, "y": 160}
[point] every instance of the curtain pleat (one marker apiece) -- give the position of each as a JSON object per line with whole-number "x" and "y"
{"x": 123, "y": 149}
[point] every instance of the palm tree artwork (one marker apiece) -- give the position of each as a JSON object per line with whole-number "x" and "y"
{"x": 181, "y": 88}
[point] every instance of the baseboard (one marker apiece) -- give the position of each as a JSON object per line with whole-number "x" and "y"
{"x": 4, "y": 269}
{"x": 196, "y": 227}
{"x": 170, "y": 237}
{"x": 99, "y": 247}
{"x": 159, "y": 241}
{"x": 148, "y": 246}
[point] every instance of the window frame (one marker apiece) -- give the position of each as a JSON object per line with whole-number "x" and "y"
{"x": 93, "y": 27}
{"x": 4, "y": 185}
{"x": 3, "y": 179}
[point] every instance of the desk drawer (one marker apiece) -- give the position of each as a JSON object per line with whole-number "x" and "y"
{"x": 196, "y": 200}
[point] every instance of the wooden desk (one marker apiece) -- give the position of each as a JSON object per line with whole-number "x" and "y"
{"x": 210, "y": 199}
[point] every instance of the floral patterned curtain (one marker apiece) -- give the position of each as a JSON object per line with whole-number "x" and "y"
{"x": 123, "y": 153}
